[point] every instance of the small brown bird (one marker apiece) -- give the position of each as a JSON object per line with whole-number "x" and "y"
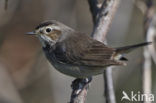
{"x": 77, "y": 54}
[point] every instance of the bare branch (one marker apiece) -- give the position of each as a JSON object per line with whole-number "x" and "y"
{"x": 109, "y": 88}
{"x": 104, "y": 20}
{"x": 146, "y": 79}
{"x": 94, "y": 9}
{"x": 149, "y": 14}
{"x": 140, "y": 5}
{"x": 149, "y": 52}
{"x": 80, "y": 88}
{"x": 150, "y": 36}
{"x": 101, "y": 27}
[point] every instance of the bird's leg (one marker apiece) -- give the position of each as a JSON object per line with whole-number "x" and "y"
{"x": 79, "y": 84}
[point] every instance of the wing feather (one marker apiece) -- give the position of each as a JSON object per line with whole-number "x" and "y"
{"x": 84, "y": 51}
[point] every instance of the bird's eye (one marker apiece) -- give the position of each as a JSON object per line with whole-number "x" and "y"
{"x": 48, "y": 30}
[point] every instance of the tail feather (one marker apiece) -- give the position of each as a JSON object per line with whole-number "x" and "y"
{"x": 129, "y": 48}
{"x": 122, "y": 50}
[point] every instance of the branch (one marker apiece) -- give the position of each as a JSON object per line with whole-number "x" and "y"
{"x": 101, "y": 27}
{"x": 140, "y": 5}
{"x": 104, "y": 20}
{"x": 150, "y": 36}
{"x": 94, "y": 9}
{"x": 109, "y": 88}
{"x": 149, "y": 52}
{"x": 80, "y": 88}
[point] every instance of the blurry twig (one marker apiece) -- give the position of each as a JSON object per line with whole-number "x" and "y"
{"x": 109, "y": 88}
{"x": 150, "y": 36}
{"x": 140, "y": 5}
{"x": 6, "y": 5}
{"x": 149, "y": 52}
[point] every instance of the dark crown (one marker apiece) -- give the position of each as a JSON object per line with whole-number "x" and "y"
{"x": 46, "y": 23}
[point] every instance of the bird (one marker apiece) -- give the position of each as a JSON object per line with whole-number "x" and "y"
{"x": 77, "y": 54}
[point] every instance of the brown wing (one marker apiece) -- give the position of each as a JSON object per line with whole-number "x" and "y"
{"x": 83, "y": 50}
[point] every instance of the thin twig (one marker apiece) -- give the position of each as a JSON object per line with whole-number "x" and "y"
{"x": 146, "y": 79}
{"x": 109, "y": 88}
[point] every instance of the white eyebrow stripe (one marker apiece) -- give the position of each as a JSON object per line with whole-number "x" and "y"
{"x": 54, "y": 27}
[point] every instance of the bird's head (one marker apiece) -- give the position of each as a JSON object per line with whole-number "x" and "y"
{"x": 50, "y": 32}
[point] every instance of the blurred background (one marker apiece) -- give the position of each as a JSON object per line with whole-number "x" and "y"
{"x": 27, "y": 77}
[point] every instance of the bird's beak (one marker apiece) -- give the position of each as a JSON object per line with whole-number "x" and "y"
{"x": 31, "y": 33}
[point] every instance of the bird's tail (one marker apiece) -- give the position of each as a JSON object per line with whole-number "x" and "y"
{"x": 123, "y": 50}
{"x": 127, "y": 49}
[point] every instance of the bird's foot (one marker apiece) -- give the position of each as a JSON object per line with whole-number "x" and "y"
{"x": 79, "y": 84}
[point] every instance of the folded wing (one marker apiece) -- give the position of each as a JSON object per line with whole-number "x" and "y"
{"x": 84, "y": 51}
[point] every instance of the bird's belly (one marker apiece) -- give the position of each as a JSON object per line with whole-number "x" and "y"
{"x": 77, "y": 71}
